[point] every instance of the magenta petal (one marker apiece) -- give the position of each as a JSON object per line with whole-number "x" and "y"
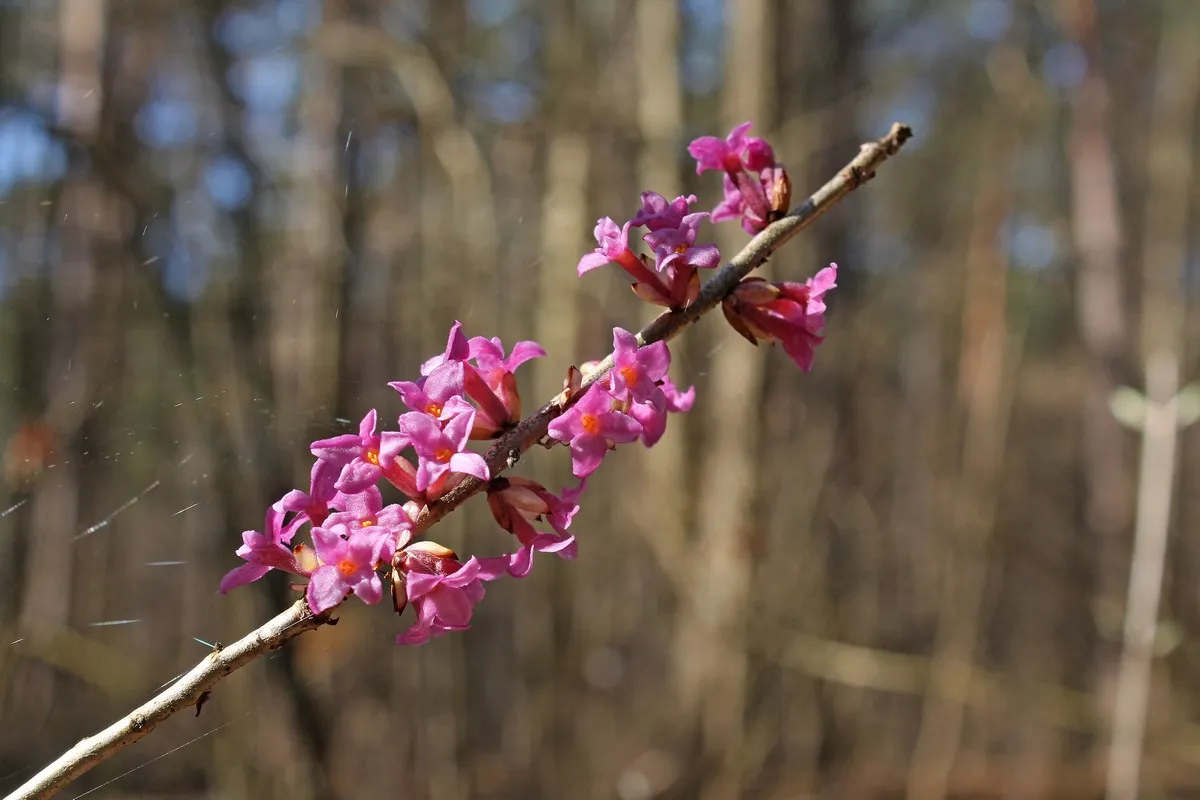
{"x": 415, "y": 636}
{"x": 419, "y": 584}
{"x": 565, "y": 547}
{"x": 325, "y": 589}
{"x": 242, "y": 575}
{"x": 800, "y": 351}
{"x": 560, "y": 428}
{"x": 709, "y": 152}
{"x": 470, "y": 464}
{"x": 367, "y": 426}
{"x": 357, "y": 476}
{"x": 295, "y": 500}
{"x": 465, "y": 574}
{"x": 521, "y": 562}
{"x": 655, "y": 360}
{"x": 338, "y": 449}
{"x": 522, "y": 352}
{"x": 365, "y": 503}
{"x": 411, "y": 394}
{"x": 453, "y": 607}
{"x": 370, "y": 591}
{"x": 620, "y": 427}
{"x": 653, "y": 421}
{"x": 492, "y": 568}
{"x": 824, "y": 280}
{"x": 704, "y": 256}
{"x": 591, "y": 261}
{"x": 586, "y": 454}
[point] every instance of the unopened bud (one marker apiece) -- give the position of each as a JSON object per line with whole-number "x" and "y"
{"x": 779, "y": 191}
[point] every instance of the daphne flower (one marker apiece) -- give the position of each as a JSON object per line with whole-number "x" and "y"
{"x": 443, "y": 591}
{"x": 592, "y": 426}
{"x": 442, "y": 450}
{"x": 637, "y": 370}
{"x": 349, "y": 559}
{"x": 265, "y": 551}
{"x": 790, "y": 313}
{"x": 313, "y": 504}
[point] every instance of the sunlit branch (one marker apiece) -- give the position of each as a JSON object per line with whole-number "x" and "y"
{"x": 192, "y": 689}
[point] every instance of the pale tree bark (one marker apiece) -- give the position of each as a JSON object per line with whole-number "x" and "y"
{"x": 711, "y": 663}
{"x": 1104, "y": 328}
{"x": 1170, "y": 167}
{"x": 54, "y": 511}
{"x": 660, "y": 512}
{"x": 304, "y": 282}
{"x": 984, "y": 397}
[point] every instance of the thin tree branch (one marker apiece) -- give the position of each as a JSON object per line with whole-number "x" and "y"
{"x": 192, "y": 688}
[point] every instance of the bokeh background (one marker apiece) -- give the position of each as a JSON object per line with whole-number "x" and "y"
{"x": 224, "y": 226}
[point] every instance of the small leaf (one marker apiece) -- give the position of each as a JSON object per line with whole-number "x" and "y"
{"x": 1128, "y": 406}
{"x": 1189, "y": 404}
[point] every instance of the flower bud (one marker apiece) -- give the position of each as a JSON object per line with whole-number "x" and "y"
{"x": 779, "y": 191}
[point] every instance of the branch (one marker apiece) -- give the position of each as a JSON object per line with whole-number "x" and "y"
{"x": 192, "y": 688}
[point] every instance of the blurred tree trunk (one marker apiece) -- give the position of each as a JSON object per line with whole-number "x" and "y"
{"x": 660, "y": 512}
{"x": 54, "y": 512}
{"x": 1104, "y": 328}
{"x": 1170, "y": 166}
{"x": 984, "y": 396}
{"x": 710, "y": 652}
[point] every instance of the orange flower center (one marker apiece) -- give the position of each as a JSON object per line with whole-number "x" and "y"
{"x": 681, "y": 248}
{"x": 590, "y": 423}
{"x": 630, "y": 374}
{"x": 347, "y": 568}
{"x": 433, "y": 409}
{"x": 443, "y": 455}
{"x": 372, "y": 456}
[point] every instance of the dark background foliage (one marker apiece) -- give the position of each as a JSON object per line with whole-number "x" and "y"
{"x": 224, "y": 226}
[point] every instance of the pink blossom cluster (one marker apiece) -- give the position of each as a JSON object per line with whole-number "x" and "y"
{"x": 469, "y": 392}
{"x": 756, "y": 199}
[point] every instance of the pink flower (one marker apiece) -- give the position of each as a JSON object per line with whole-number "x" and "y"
{"x": 360, "y": 457}
{"x": 366, "y": 510}
{"x": 653, "y": 418}
{"x": 265, "y": 551}
{"x": 676, "y": 247}
{"x": 492, "y": 384}
{"x": 637, "y": 370}
{"x": 313, "y": 505}
{"x": 790, "y": 313}
{"x": 442, "y": 450}
{"x": 613, "y": 248}
{"x": 592, "y": 426}
{"x": 430, "y": 394}
{"x": 735, "y": 151}
{"x": 349, "y": 558}
{"x": 613, "y": 245}
{"x": 516, "y": 503}
{"x": 656, "y": 213}
{"x": 443, "y": 591}
{"x": 756, "y": 199}
{"x": 457, "y": 349}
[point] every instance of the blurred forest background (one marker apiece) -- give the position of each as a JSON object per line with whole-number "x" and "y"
{"x": 224, "y": 226}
